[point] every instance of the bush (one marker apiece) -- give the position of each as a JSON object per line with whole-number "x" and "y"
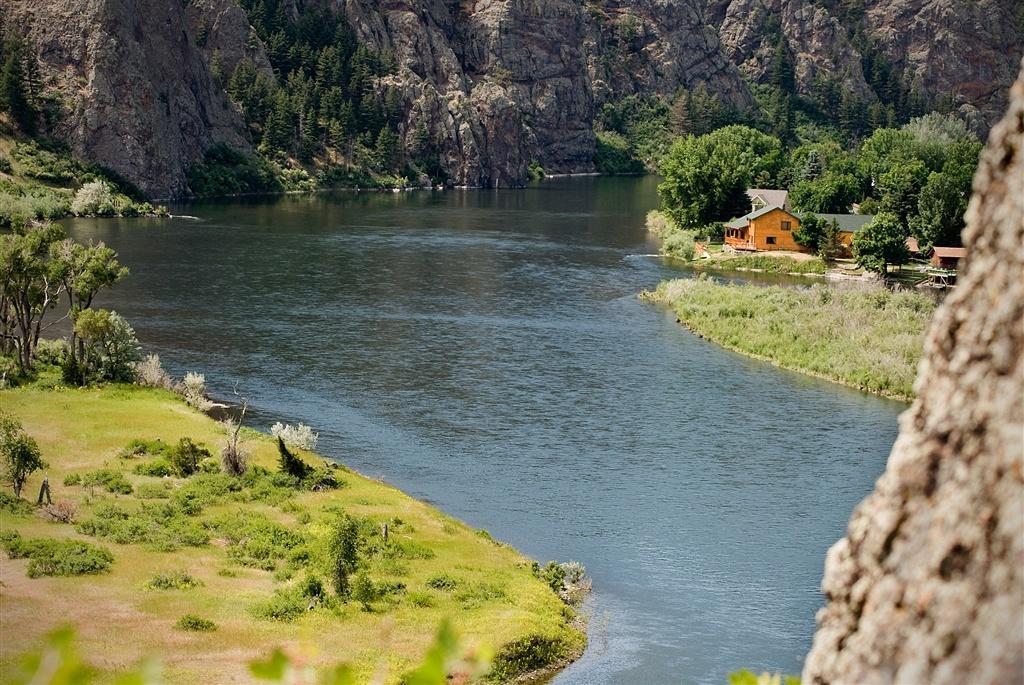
{"x": 163, "y": 526}
{"x": 193, "y": 389}
{"x": 72, "y": 479}
{"x": 110, "y": 480}
{"x": 153, "y": 491}
{"x": 158, "y": 468}
{"x": 254, "y": 540}
{"x": 186, "y": 456}
{"x": 173, "y": 580}
{"x": 53, "y": 557}
{"x": 524, "y": 655}
{"x": 289, "y": 463}
{"x": 194, "y": 623}
{"x": 287, "y": 604}
{"x": 140, "y": 447}
{"x": 94, "y": 198}
{"x": 150, "y": 373}
{"x": 443, "y": 582}
{"x": 14, "y": 505}
{"x": 301, "y": 436}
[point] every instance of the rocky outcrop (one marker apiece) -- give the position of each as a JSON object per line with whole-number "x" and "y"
{"x": 928, "y": 584}
{"x": 224, "y": 36}
{"x": 497, "y": 84}
{"x": 501, "y": 83}
{"x": 135, "y": 92}
{"x": 965, "y": 51}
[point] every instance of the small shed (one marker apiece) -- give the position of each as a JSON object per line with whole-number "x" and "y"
{"x": 947, "y": 257}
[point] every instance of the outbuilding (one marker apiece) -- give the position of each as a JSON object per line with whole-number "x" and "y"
{"x": 947, "y": 257}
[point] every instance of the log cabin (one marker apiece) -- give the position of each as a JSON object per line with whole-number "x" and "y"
{"x": 768, "y": 228}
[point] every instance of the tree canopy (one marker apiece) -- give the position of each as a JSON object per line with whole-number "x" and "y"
{"x": 706, "y": 176}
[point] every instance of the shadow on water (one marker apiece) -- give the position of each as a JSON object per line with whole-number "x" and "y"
{"x": 486, "y": 350}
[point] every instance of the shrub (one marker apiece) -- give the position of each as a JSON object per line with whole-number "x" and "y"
{"x": 186, "y": 456}
{"x": 93, "y": 198}
{"x": 553, "y": 574}
{"x": 110, "y": 480}
{"x": 365, "y": 592}
{"x": 159, "y": 468}
{"x": 281, "y": 606}
{"x": 150, "y": 373}
{"x": 72, "y": 479}
{"x": 173, "y": 580}
{"x": 421, "y": 599}
{"x": 254, "y": 540}
{"x": 342, "y": 552}
{"x": 53, "y": 557}
{"x": 289, "y": 463}
{"x": 153, "y": 491}
{"x": 526, "y": 654}
{"x": 163, "y": 526}
{"x": 193, "y": 388}
{"x": 443, "y": 582}
{"x": 301, "y": 436}
{"x": 234, "y": 456}
{"x": 194, "y": 623}
{"x": 61, "y": 511}
{"x": 14, "y": 505}
{"x": 140, "y": 447}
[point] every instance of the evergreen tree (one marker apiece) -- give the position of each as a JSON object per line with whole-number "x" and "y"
{"x": 15, "y": 95}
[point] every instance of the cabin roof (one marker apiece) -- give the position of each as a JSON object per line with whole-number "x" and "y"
{"x": 742, "y": 221}
{"x": 952, "y": 252}
{"x": 850, "y": 223}
{"x": 770, "y": 196}
{"x": 912, "y": 244}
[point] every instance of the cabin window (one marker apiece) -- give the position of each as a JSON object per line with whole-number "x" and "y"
{"x": 770, "y": 240}
{"x": 786, "y": 225}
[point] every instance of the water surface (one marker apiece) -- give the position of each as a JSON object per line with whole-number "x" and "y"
{"x": 485, "y": 350}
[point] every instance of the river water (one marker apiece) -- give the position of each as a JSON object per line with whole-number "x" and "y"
{"x": 485, "y": 350}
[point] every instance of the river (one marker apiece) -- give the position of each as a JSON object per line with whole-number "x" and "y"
{"x": 485, "y": 350}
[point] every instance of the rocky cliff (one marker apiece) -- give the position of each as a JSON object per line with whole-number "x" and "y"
{"x": 497, "y": 83}
{"x": 134, "y": 92}
{"x": 928, "y": 584}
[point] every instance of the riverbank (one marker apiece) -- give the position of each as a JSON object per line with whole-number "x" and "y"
{"x": 863, "y": 336}
{"x": 251, "y": 555}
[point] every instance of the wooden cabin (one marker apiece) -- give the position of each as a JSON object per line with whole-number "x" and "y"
{"x": 947, "y": 257}
{"x": 768, "y": 228}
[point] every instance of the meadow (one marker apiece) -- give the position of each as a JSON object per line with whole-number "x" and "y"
{"x": 151, "y": 552}
{"x": 864, "y": 336}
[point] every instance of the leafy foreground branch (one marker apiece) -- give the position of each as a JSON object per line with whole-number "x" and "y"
{"x": 866, "y": 337}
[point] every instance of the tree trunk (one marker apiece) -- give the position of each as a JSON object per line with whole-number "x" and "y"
{"x": 928, "y": 584}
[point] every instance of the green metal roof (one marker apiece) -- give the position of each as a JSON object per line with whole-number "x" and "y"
{"x": 851, "y": 223}
{"x": 742, "y": 221}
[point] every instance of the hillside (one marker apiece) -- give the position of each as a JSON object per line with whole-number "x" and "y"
{"x": 477, "y": 92}
{"x": 250, "y": 550}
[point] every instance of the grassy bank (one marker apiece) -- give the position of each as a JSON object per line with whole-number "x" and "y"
{"x": 865, "y": 337}
{"x": 208, "y": 573}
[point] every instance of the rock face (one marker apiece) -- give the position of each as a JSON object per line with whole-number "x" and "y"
{"x": 497, "y": 83}
{"x": 966, "y": 51}
{"x": 928, "y": 584}
{"x": 137, "y": 95}
{"x": 501, "y": 83}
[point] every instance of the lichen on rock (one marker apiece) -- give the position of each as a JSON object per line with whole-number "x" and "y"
{"x": 928, "y": 584}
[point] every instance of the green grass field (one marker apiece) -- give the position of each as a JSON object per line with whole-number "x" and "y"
{"x": 487, "y": 589}
{"x": 862, "y": 336}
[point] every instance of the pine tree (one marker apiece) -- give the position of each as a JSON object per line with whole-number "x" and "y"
{"x": 15, "y": 98}
{"x": 681, "y": 119}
